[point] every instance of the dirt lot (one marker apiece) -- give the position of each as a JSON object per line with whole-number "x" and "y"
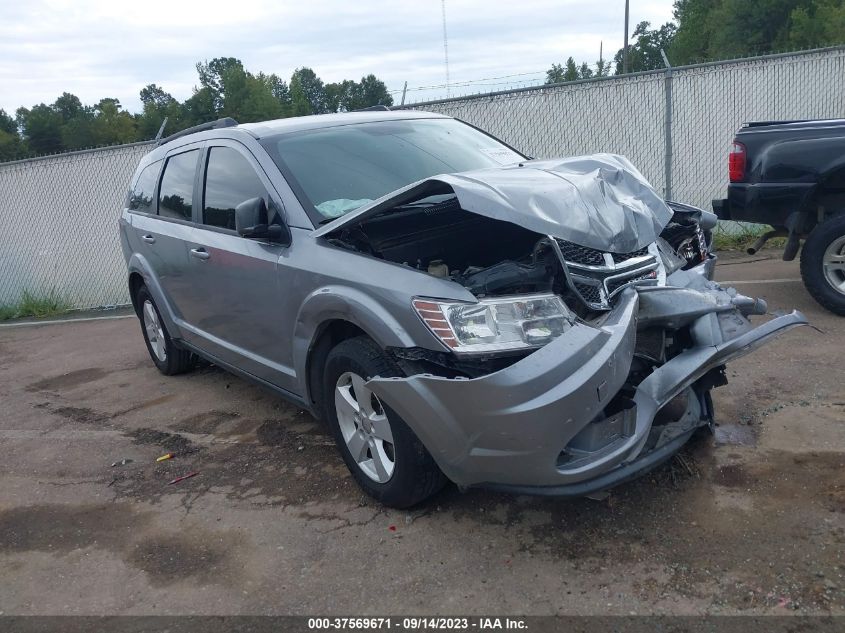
{"x": 751, "y": 521}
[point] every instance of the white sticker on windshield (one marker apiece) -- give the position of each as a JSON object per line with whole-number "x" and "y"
{"x": 501, "y": 155}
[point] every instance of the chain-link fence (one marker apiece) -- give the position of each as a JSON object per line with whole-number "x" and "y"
{"x": 675, "y": 125}
{"x": 59, "y": 214}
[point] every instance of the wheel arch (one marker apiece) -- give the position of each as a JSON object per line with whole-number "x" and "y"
{"x": 140, "y": 272}
{"x": 329, "y": 334}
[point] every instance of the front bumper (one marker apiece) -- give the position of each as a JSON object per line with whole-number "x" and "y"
{"x": 511, "y": 429}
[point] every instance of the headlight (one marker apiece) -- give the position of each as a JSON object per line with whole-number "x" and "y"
{"x": 493, "y": 325}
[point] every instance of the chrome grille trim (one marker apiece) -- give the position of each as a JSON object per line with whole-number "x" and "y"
{"x": 596, "y": 284}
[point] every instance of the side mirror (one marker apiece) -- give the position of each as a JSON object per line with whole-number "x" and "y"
{"x": 251, "y": 221}
{"x": 251, "y": 218}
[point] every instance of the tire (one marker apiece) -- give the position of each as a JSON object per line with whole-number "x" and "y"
{"x": 383, "y": 454}
{"x": 169, "y": 358}
{"x": 823, "y": 264}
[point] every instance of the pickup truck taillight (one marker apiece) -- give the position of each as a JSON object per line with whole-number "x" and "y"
{"x": 736, "y": 162}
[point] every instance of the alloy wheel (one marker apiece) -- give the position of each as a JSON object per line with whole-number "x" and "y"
{"x": 365, "y": 427}
{"x": 155, "y": 331}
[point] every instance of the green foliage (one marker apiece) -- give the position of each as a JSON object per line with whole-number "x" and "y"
{"x": 722, "y": 29}
{"x": 307, "y": 93}
{"x": 644, "y": 48}
{"x": 225, "y": 88}
{"x": 39, "y": 305}
{"x": 820, "y": 24}
{"x": 570, "y": 71}
{"x": 706, "y": 30}
{"x": 11, "y": 144}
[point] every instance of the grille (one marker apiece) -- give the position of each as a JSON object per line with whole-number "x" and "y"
{"x": 576, "y": 254}
{"x": 590, "y": 294}
{"x": 615, "y": 284}
{"x": 596, "y": 275}
{"x": 619, "y": 258}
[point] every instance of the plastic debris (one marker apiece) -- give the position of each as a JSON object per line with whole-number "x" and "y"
{"x": 392, "y": 528}
{"x": 183, "y": 477}
{"x": 122, "y": 462}
{"x": 165, "y": 456}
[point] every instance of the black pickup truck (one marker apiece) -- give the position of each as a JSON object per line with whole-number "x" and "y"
{"x": 791, "y": 175}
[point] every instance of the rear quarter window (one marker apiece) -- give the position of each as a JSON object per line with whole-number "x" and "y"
{"x": 141, "y": 195}
{"x": 176, "y": 193}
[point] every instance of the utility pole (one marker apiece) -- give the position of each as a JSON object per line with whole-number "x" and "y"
{"x": 625, "y": 62}
{"x": 601, "y": 59}
{"x": 446, "y": 46}
{"x": 404, "y": 89}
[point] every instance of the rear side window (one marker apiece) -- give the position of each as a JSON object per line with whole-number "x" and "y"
{"x": 229, "y": 180}
{"x": 141, "y": 196}
{"x": 176, "y": 193}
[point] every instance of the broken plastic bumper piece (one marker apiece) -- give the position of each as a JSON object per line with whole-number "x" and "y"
{"x": 555, "y": 422}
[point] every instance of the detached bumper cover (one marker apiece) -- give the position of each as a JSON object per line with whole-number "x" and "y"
{"x": 508, "y": 429}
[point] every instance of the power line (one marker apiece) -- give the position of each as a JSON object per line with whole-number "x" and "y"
{"x": 470, "y": 81}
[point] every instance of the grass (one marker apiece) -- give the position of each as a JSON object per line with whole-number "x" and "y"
{"x": 723, "y": 241}
{"x": 38, "y": 305}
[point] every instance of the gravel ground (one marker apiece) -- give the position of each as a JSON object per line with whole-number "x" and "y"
{"x": 749, "y": 521}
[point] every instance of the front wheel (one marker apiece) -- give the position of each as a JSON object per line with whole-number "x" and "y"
{"x": 383, "y": 454}
{"x": 823, "y": 264}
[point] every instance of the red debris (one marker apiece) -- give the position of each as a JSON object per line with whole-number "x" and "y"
{"x": 392, "y": 528}
{"x": 178, "y": 479}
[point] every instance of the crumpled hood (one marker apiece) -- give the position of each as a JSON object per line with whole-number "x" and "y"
{"x": 600, "y": 201}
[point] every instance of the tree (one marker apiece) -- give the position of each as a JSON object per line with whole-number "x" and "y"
{"x": 42, "y": 128}
{"x": 644, "y": 52}
{"x": 554, "y": 75}
{"x": 370, "y": 91}
{"x": 568, "y": 72}
{"x": 158, "y": 105}
{"x": 212, "y": 77}
{"x": 112, "y": 124}
{"x": 307, "y": 93}
{"x": 692, "y": 39}
{"x": 11, "y": 144}
{"x": 820, "y": 24}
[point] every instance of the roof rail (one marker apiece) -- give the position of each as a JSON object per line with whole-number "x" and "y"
{"x": 211, "y": 125}
{"x": 375, "y": 108}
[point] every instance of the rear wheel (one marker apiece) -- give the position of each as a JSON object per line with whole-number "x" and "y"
{"x": 823, "y": 264}
{"x": 169, "y": 359}
{"x": 383, "y": 454}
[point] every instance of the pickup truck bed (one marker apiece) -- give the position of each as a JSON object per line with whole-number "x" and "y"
{"x": 791, "y": 175}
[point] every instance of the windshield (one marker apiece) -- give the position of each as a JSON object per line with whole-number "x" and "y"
{"x": 336, "y": 170}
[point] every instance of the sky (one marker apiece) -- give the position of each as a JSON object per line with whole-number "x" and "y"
{"x": 109, "y": 48}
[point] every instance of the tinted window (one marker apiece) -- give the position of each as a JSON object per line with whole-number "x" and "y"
{"x": 141, "y": 196}
{"x": 229, "y": 180}
{"x": 338, "y": 169}
{"x": 176, "y": 193}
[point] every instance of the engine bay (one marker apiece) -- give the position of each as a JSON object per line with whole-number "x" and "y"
{"x": 491, "y": 257}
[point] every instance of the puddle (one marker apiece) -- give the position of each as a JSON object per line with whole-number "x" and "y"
{"x": 735, "y": 435}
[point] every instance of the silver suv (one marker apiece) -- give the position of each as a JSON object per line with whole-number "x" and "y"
{"x": 451, "y": 308}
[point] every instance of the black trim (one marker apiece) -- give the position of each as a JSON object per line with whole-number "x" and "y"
{"x": 202, "y": 127}
{"x": 284, "y": 393}
{"x": 615, "y": 477}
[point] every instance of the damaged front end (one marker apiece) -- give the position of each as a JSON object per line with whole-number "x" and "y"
{"x": 596, "y": 332}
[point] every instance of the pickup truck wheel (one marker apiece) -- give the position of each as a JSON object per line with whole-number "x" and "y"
{"x": 169, "y": 359}
{"x": 383, "y": 454}
{"x": 823, "y": 264}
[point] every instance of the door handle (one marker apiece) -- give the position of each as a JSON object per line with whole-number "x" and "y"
{"x": 200, "y": 253}
{"x": 149, "y": 239}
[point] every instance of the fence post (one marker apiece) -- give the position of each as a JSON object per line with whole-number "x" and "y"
{"x": 667, "y": 130}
